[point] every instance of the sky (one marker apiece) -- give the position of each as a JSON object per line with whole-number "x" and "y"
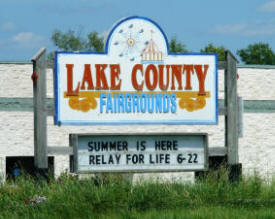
{"x": 27, "y": 25}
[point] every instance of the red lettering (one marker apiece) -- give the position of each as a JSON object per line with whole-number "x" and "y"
{"x": 70, "y": 91}
{"x": 87, "y": 77}
{"x": 161, "y": 78}
{"x": 201, "y": 77}
{"x": 101, "y": 77}
{"x": 188, "y": 70}
{"x": 115, "y": 71}
{"x": 149, "y": 84}
{"x": 134, "y": 77}
{"x": 176, "y": 72}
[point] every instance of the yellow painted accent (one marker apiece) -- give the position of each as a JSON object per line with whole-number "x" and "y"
{"x": 86, "y": 100}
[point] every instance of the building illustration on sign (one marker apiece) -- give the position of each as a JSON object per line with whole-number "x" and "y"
{"x": 151, "y": 53}
{"x": 135, "y": 81}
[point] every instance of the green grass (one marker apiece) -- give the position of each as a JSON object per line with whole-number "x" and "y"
{"x": 69, "y": 197}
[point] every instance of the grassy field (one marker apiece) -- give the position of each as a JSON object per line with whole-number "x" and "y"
{"x": 69, "y": 197}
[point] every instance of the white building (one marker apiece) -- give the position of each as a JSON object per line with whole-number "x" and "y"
{"x": 256, "y": 85}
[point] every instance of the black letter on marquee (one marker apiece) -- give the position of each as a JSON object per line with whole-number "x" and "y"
{"x": 90, "y": 146}
{"x": 91, "y": 159}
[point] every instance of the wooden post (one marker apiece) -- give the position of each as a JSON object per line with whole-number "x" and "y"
{"x": 231, "y": 106}
{"x": 232, "y": 112}
{"x": 231, "y": 117}
{"x": 40, "y": 109}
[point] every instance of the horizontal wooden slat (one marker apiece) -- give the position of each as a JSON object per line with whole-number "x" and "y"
{"x": 259, "y": 106}
{"x": 26, "y": 105}
{"x": 21, "y": 104}
{"x": 217, "y": 151}
{"x": 60, "y": 150}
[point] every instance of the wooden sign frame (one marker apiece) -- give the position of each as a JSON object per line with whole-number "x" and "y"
{"x": 230, "y": 110}
{"x": 75, "y": 138}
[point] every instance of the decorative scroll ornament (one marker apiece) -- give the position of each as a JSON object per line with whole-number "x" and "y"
{"x": 86, "y": 101}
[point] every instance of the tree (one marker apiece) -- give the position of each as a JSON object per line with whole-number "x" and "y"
{"x": 220, "y": 50}
{"x": 68, "y": 41}
{"x": 257, "y": 53}
{"x": 95, "y": 43}
{"x": 177, "y": 47}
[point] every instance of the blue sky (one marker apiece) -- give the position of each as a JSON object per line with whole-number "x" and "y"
{"x": 27, "y": 25}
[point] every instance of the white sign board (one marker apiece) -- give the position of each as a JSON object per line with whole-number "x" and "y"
{"x": 140, "y": 153}
{"x": 136, "y": 80}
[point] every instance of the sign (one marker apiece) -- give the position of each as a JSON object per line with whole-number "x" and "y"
{"x": 135, "y": 81}
{"x": 140, "y": 153}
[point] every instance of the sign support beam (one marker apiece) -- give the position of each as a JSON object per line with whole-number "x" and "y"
{"x": 40, "y": 109}
{"x": 232, "y": 112}
{"x": 231, "y": 117}
{"x": 231, "y": 105}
